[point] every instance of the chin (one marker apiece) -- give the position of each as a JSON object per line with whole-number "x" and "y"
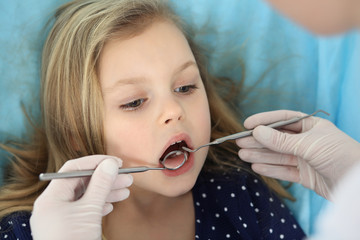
{"x": 177, "y": 189}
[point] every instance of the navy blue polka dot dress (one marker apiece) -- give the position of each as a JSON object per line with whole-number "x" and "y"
{"x": 240, "y": 207}
{"x": 236, "y": 207}
{"x": 16, "y": 227}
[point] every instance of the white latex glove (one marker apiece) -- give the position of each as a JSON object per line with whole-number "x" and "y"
{"x": 73, "y": 208}
{"x": 341, "y": 219}
{"x": 312, "y": 152}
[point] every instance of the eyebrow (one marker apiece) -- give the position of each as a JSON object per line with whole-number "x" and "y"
{"x": 135, "y": 80}
{"x": 184, "y": 66}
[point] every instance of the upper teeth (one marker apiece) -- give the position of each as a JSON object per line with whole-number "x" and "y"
{"x": 176, "y": 142}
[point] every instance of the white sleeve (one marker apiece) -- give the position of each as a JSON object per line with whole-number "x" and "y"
{"x": 341, "y": 219}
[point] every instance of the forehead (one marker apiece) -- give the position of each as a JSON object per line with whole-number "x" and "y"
{"x": 159, "y": 49}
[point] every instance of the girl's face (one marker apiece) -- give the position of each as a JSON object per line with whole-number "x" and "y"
{"x": 154, "y": 98}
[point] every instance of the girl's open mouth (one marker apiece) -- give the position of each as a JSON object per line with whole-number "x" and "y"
{"x": 176, "y": 159}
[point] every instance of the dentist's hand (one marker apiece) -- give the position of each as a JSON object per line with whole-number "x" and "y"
{"x": 73, "y": 208}
{"x": 312, "y": 152}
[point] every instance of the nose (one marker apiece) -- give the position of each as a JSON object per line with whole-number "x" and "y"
{"x": 171, "y": 112}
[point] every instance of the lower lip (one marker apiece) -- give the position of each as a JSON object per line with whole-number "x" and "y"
{"x": 183, "y": 169}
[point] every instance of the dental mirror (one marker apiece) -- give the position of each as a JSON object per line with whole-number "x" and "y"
{"x": 167, "y": 162}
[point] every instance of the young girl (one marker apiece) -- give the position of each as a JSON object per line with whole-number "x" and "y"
{"x": 124, "y": 79}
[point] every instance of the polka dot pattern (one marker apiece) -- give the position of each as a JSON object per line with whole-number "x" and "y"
{"x": 16, "y": 227}
{"x": 235, "y": 206}
{"x": 240, "y": 206}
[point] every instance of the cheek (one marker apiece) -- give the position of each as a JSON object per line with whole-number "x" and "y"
{"x": 123, "y": 138}
{"x": 201, "y": 114}
{"x": 113, "y": 141}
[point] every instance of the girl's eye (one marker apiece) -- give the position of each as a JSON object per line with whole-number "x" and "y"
{"x": 186, "y": 89}
{"x": 133, "y": 105}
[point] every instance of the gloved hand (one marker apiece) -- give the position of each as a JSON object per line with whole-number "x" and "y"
{"x": 312, "y": 152}
{"x": 73, "y": 208}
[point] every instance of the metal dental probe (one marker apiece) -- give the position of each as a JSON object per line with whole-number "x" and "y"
{"x": 249, "y": 132}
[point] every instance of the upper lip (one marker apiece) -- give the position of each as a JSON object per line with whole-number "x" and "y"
{"x": 176, "y": 138}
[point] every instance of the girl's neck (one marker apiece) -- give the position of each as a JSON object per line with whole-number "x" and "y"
{"x": 143, "y": 200}
{"x": 151, "y": 216}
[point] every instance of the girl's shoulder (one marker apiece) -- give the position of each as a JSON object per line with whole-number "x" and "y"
{"x": 239, "y": 203}
{"x": 16, "y": 226}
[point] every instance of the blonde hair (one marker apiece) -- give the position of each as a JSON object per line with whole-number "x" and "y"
{"x": 71, "y": 100}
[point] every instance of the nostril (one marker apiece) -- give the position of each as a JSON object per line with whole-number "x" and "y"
{"x": 169, "y": 120}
